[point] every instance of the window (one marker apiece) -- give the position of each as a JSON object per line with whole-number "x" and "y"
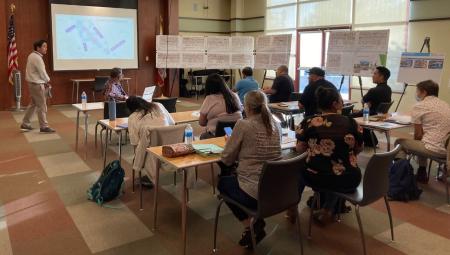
{"x": 315, "y": 18}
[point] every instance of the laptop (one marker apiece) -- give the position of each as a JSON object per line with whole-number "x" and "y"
{"x": 148, "y": 93}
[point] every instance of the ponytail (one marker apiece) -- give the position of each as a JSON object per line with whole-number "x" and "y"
{"x": 267, "y": 119}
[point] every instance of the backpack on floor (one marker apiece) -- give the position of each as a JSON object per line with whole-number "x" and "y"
{"x": 402, "y": 182}
{"x": 109, "y": 185}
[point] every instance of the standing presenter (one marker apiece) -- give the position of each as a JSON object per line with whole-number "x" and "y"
{"x": 38, "y": 84}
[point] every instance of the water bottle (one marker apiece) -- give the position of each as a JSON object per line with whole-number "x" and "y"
{"x": 188, "y": 134}
{"x": 112, "y": 109}
{"x": 366, "y": 112}
{"x": 83, "y": 100}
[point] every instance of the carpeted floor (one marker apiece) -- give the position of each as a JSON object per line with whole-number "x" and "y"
{"x": 44, "y": 210}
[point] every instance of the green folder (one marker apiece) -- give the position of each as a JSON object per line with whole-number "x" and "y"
{"x": 207, "y": 149}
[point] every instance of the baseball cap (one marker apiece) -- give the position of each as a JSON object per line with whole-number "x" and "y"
{"x": 317, "y": 71}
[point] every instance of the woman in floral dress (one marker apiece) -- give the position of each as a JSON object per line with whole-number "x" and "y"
{"x": 332, "y": 142}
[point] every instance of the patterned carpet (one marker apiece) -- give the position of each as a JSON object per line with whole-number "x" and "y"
{"x": 44, "y": 210}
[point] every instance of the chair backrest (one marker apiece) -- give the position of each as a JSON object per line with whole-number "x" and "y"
{"x": 295, "y": 96}
{"x": 384, "y": 107}
{"x": 376, "y": 176}
{"x": 169, "y": 103}
{"x": 221, "y": 124}
{"x": 347, "y": 110}
{"x": 122, "y": 110}
{"x": 166, "y": 135}
{"x": 279, "y": 185}
{"x": 99, "y": 83}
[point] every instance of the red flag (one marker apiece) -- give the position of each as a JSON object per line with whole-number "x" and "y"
{"x": 160, "y": 77}
{"x": 13, "y": 63}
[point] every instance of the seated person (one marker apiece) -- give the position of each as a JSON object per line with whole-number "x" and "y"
{"x": 246, "y": 84}
{"x": 431, "y": 118}
{"x": 254, "y": 141}
{"x": 374, "y": 97}
{"x": 308, "y": 99}
{"x": 220, "y": 104}
{"x": 143, "y": 114}
{"x": 332, "y": 142}
{"x": 282, "y": 86}
{"x": 113, "y": 87}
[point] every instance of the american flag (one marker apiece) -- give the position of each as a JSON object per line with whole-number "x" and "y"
{"x": 13, "y": 64}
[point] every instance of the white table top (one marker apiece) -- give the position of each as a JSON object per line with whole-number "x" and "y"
{"x": 89, "y": 106}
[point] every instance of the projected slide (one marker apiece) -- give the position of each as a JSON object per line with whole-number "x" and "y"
{"x": 94, "y": 37}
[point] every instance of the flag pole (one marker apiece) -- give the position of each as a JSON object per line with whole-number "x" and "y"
{"x": 17, "y": 81}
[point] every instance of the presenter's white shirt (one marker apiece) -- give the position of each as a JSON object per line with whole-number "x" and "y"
{"x": 35, "y": 71}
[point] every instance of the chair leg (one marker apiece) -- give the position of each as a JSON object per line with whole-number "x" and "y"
{"x": 313, "y": 204}
{"x": 447, "y": 184}
{"x": 390, "y": 217}
{"x": 429, "y": 168}
{"x": 213, "y": 180}
{"x": 363, "y": 240}
{"x": 132, "y": 179}
{"x": 372, "y": 137}
{"x": 140, "y": 191}
{"x": 196, "y": 173}
{"x": 95, "y": 135}
{"x": 216, "y": 222}
{"x": 299, "y": 231}
{"x": 252, "y": 232}
{"x": 175, "y": 178}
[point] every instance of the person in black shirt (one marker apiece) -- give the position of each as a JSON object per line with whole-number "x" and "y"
{"x": 381, "y": 93}
{"x": 282, "y": 86}
{"x": 374, "y": 97}
{"x": 308, "y": 99}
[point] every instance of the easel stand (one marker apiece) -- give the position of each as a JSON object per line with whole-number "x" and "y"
{"x": 426, "y": 43}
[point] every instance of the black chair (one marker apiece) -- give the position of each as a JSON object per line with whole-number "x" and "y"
{"x": 223, "y": 124}
{"x": 295, "y": 96}
{"x": 99, "y": 85}
{"x": 169, "y": 103}
{"x": 375, "y": 185}
{"x": 277, "y": 191}
{"x": 384, "y": 107}
{"x": 347, "y": 109}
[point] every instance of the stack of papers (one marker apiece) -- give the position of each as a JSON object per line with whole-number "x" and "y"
{"x": 207, "y": 148}
{"x": 400, "y": 119}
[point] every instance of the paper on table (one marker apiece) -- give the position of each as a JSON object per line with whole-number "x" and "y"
{"x": 207, "y": 148}
{"x": 400, "y": 119}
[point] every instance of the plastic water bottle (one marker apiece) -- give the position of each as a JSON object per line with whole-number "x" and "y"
{"x": 188, "y": 134}
{"x": 83, "y": 100}
{"x": 366, "y": 112}
{"x": 112, "y": 109}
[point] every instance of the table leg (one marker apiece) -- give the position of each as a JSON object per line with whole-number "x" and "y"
{"x": 120, "y": 145}
{"x": 106, "y": 148}
{"x": 85, "y": 133}
{"x": 184, "y": 211}
{"x": 76, "y": 131}
{"x": 388, "y": 140}
{"x": 155, "y": 199}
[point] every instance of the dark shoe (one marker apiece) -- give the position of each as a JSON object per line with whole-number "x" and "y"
{"x": 291, "y": 215}
{"x": 260, "y": 233}
{"x": 146, "y": 182}
{"x": 24, "y": 127}
{"x": 47, "y": 130}
{"x": 422, "y": 175}
{"x": 441, "y": 174}
{"x": 323, "y": 217}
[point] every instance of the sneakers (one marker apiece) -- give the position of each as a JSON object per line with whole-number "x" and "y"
{"x": 422, "y": 176}
{"x": 24, "y": 127}
{"x": 47, "y": 130}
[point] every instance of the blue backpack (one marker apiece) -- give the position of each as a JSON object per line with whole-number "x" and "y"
{"x": 402, "y": 182}
{"x": 109, "y": 185}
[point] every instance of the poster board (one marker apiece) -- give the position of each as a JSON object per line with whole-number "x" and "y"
{"x": 417, "y": 67}
{"x": 356, "y": 52}
{"x": 222, "y": 52}
{"x": 271, "y": 51}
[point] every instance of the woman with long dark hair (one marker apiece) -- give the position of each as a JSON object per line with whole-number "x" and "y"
{"x": 220, "y": 104}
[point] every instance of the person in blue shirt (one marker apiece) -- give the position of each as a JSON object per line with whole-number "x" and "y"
{"x": 247, "y": 84}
